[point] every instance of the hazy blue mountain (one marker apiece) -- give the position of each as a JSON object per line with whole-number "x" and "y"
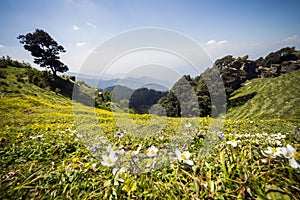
{"x": 130, "y": 82}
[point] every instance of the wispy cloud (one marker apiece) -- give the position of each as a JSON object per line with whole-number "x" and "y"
{"x": 75, "y": 28}
{"x": 291, "y": 39}
{"x": 80, "y": 44}
{"x": 91, "y": 25}
{"x": 215, "y": 42}
{"x": 1, "y": 46}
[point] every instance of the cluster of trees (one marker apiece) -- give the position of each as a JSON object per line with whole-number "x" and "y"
{"x": 278, "y": 57}
{"x": 180, "y": 101}
{"x": 142, "y": 99}
{"x": 8, "y": 61}
{"x": 276, "y": 63}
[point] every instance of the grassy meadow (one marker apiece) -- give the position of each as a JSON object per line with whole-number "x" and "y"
{"x": 53, "y": 148}
{"x": 273, "y": 98}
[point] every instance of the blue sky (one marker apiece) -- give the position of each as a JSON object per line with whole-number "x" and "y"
{"x": 238, "y": 28}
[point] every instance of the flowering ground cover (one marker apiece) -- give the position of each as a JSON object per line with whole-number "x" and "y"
{"x": 43, "y": 155}
{"x": 52, "y": 148}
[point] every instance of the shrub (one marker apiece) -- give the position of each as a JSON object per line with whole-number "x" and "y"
{"x": 3, "y": 63}
{"x": 57, "y": 90}
{"x": 3, "y": 74}
{"x": 42, "y": 84}
{"x": 20, "y": 78}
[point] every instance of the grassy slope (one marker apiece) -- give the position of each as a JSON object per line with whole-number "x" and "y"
{"x": 276, "y": 98}
{"x": 58, "y": 166}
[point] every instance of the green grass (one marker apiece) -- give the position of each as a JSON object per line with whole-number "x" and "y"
{"x": 275, "y": 98}
{"x": 60, "y": 165}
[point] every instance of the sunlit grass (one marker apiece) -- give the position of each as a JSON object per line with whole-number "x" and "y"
{"x": 44, "y": 153}
{"x": 42, "y": 156}
{"x": 276, "y": 97}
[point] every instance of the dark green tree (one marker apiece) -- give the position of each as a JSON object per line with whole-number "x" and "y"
{"x": 45, "y": 50}
{"x": 284, "y": 54}
{"x": 171, "y": 105}
{"x": 143, "y": 98}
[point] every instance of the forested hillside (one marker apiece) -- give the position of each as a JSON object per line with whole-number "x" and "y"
{"x": 234, "y": 72}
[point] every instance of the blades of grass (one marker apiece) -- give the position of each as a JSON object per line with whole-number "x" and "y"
{"x": 222, "y": 159}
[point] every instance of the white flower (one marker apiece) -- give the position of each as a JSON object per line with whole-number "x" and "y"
{"x": 116, "y": 171}
{"x": 184, "y": 156}
{"x": 264, "y": 134}
{"x": 109, "y": 148}
{"x": 152, "y": 151}
{"x": 109, "y": 160}
{"x": 233, "y": 142}
{"x": 112, "y": 149}
{"x": 277, "y": 143}
{"x": 37, "y": 137}
{"x": 280, "y": 136}
{"x": 265, "y": 160}
{"x": 258, "y": 135}
{"x": 294, "y": 163}
{"x": 151, "y": 162}
{"x": 119, "y": 134}
{"x": 93, "y": 166}
{"x": 273, "y": 151}
{"x": 121, "y": 151}
{"x": 188, "y": 125}
{"x": 134, "y": 153}
{"x": 290, "y": 153}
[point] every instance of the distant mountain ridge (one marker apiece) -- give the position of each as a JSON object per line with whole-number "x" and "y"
{"x": 130, "y": 82}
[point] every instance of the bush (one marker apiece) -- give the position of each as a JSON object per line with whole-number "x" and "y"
{"x": 57, "y": 90}
{"x": 3, "y": 63}
{"x": 42, "y": 84}
{"x": 3, "y": 74}
{"x": 20, "y": 78}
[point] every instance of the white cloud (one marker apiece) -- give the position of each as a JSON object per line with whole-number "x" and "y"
{"x": 91, "y": 25}
{"x": 1, "y": 46}
{"x": 222, "y": 42}
{"x": 292, "y": 39}
{"x": 80, "y": 44}
{"x": 75, "y": 28}
{"x": 214, "y": 42}
{"x": 211, "y": 42}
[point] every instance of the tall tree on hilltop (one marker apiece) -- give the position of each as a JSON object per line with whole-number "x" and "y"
{"x": 45, "y": 50}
